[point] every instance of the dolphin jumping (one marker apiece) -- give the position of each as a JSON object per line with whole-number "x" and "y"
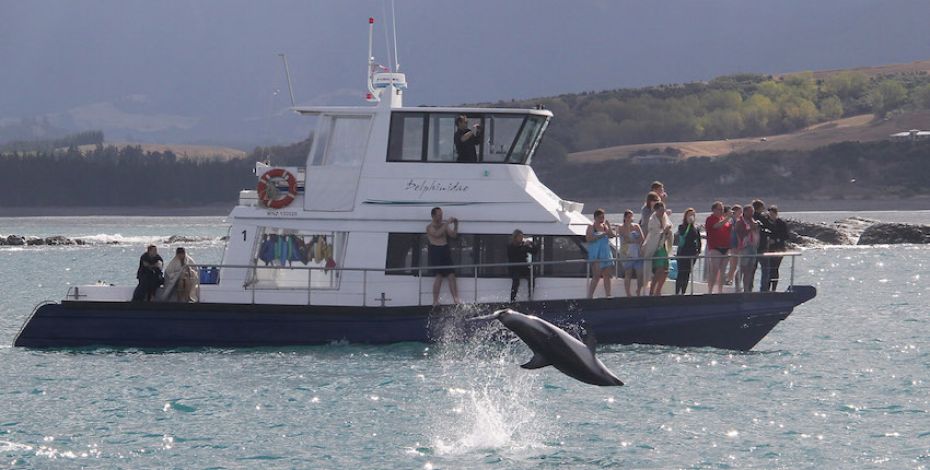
{"x": 552, "y": 346}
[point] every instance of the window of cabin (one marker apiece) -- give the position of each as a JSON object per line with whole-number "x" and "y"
{"x": 527, "y": 140}
{"x": 564, "y": 248}
{"x": 441, "y": 138}
{"x": 408, "y": 251}
{"x": 501, "y": 134}
{"x": 407, "y": 137}
{"x": 281, "y": 249}
{"x": 340, "y": 141}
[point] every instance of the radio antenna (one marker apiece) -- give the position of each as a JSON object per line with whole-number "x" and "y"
{"x": 287, "y": 73}
{"x": 372, "y": 96}
{"x": 394, "y": 30}
{"x": 387, "y": 42}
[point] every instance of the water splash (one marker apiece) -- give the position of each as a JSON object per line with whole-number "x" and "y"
{"x": 490, "y": 403}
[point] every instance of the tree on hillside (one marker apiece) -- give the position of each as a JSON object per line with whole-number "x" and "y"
{"x": 887, "y": 96}
{"x": 802, "y": 85}
{"x": 797, "y": 112}
{"x": 846, "y": 85}
{"x": 758, "y": 114}
{"x": 922, "y": 96}
{"x": 831, "y": 108}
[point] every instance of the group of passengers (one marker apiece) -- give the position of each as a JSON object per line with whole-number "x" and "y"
{"x": 734, "y": 241}
{"x": 735, "y": 235}
{"x": 179, "y": 282}
{"x": 735, "y": 238}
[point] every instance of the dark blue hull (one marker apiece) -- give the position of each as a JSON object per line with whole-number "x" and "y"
{"x": 729, "y": 321}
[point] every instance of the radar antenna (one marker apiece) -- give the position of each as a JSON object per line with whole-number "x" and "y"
{"x": 381, "y": 78}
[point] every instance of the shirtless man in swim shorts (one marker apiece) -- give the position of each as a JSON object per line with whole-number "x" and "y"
{"x": 438, "y": 233}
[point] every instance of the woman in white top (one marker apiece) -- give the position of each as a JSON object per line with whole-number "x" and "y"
{"x": 657, "y": 245}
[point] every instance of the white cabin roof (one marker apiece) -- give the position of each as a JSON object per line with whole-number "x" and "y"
{"x": 367, "y": 110}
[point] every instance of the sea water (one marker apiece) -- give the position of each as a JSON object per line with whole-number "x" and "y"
{"x": 844, "y": 382}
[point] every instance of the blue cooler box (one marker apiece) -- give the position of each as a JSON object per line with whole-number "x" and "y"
{"x": 209, "y": 275}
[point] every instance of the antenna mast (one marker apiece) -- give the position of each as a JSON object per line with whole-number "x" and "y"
{"x": 287, "y": 73}
{"x": 394, "y": 30}
{"x": 371, "y": 62}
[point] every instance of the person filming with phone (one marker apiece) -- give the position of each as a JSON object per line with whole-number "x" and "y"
{"x": 467, "y": 140}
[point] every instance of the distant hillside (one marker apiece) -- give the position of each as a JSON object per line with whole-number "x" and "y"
{"x": 917, "y": 67}
{"x": 181, "y": 150}
{"x": 729, "y": 108}
{"x": 862, "y": 128}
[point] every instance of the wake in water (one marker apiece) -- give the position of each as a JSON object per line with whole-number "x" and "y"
{"x": 490, "y": 402}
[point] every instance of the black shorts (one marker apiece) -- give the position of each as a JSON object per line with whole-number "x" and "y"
{"x": 440, "y": 256}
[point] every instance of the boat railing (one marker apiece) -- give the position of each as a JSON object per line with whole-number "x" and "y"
{"x": 697, "y": 271}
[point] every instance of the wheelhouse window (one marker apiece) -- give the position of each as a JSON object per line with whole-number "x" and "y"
{"x": 430, "y": 137}
{"x": 340, "y": 141}
{"x": 278, "y": 250}
{"x": 408, "y": 137}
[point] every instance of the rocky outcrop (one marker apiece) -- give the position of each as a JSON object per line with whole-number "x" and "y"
{"x": 810, "y": 234}
{"x": 59, "y": 240}
{"x": 856, "y": 231}
{"x": 893, "y": 234}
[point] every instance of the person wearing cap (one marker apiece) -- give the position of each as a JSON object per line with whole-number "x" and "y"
{"x": 517, "y": 251}
{"x": 181, "y": 278}
{"x": 149, "y": 275}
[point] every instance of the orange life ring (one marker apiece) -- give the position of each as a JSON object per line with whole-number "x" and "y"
{"x": 269, "y": 193}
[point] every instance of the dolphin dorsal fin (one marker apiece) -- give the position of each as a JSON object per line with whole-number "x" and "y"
{"x": 591, "y": 342}
{"x": 537, "y": 362}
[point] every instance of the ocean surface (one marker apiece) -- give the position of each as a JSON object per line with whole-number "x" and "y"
{"x": 844, "y": 382}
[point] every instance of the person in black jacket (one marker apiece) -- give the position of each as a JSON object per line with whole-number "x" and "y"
{"x": 149, "y": 275}
{"x": 689, "y": 246}
{"x": 517, "y": 250}
{"x": 778, "y": 242}
{"x": 766, "y": 228}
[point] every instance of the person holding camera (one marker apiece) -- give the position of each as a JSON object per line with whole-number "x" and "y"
{"x": 517, "y": 251}
{"x": 467, "y": 140}
{"x": 747, "y": 234}
{"x": 599, "y": 254}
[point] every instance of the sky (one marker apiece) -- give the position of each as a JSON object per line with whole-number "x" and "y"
{"x": 207, "y": 71}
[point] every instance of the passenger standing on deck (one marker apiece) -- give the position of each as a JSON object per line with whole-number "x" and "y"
{"x": 631, "y": 247}
{"x": 736, "y": 212}
{"x": 466, "y": 140}
{"x": 517, "y": 251}
{"x": 747, "y": 232}
{"x": 646, "y": 212}
{"x": 766, "y": 227}
{"x": 778, "y": 242}
{"x": 599, "y": 252}
{"x": 438, "y": 233}
{"x": 659, "y": 188}
{"x": 717, "y": 227}
{"x": 149, "y": 275}
{"x": 656, "y": 248}
{"x": 689, "y": 246}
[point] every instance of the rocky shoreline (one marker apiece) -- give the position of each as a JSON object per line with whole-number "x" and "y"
{"x": 856, "y": 231}
{"x": 58, "y": 240}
